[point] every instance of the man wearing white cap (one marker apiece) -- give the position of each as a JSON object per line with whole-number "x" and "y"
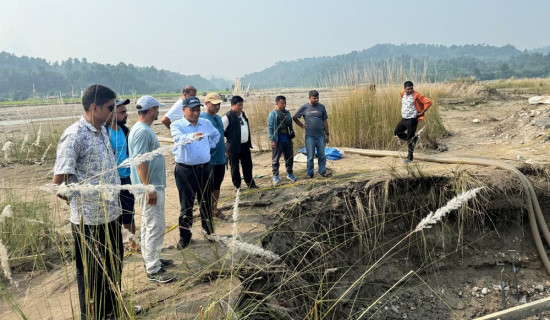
{"x": 142, "y": 140}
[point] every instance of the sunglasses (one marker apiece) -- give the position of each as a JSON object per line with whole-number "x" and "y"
{"x": 111, "y": 107}
{"x": 242, "y": 122}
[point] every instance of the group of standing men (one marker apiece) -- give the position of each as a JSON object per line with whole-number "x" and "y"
{"x": 91, "y": 149}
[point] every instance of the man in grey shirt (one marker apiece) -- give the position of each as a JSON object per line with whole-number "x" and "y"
{"x": 317, "y": 134}
{"x": 142, "y": 140}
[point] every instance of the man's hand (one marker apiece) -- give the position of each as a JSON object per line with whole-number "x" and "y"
{"x": 326, "y": 138}
{"x": 304, "y": 126}
{"x": 198, "y": 136}
{"x": 151, "y": 198}
{"x": 421, "y": 113}
{"x": 273, "y": 145}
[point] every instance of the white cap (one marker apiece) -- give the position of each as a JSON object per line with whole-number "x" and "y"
{"x": 147, "y": 102}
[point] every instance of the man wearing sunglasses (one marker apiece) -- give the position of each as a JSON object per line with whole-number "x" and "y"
{"x": 84, "y": 155}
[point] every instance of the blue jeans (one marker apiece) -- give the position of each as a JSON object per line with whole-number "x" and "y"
{"x": 318, "y": 142}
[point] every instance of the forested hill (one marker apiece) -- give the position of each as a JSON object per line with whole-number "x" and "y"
{"x": 387, "y": 62}
{"x": 19, "y": 74}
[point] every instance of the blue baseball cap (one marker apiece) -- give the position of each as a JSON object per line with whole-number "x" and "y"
{"x": 191, "y": 102}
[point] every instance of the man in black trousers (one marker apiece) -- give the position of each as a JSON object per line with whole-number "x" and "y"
{"x": 238, "y": 143}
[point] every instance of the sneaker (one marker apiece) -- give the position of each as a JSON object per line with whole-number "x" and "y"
{"x": 291, "y": 177}
{"x": 276, "y": 179}
{"x": 137, "y": 310}
{"x": 160, "y": 276}
{"x": 325, "y": 175}
{"x": 309, "y": 176}
{"x": 167, "y": 263}
{"x": 407, "y": 160}
{"x": 219, "y": 214}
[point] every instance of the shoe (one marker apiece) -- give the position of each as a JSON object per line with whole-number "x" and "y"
{"x": 160, "y": 276}
{"x": 276, "y": 179}
{"x": 167, "y": 263}
{"x": 309, "y": 176}
{"x": 253, "y": 186}
{"x": 407, "y": 160}
{"x": 219, "y": 214}
{"x": 137, "y": 310}
{"x": 181, "y": 246}
{"x": 291, "y": 177}
{"x": 325, "y": 175}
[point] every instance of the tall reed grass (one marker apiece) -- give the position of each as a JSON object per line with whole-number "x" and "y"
{"x": 31, "y": 146}
{"x": 533, "y": 85}
{"x": 363, "y": 118}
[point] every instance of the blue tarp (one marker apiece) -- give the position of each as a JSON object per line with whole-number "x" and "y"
{"x": 331, "y": 153}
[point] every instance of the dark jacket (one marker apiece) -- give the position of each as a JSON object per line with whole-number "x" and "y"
{"x": 233, "y": 132}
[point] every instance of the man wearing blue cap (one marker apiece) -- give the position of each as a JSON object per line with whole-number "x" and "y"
{"x": 193, "y": 168}
{"x": 142, "y": 140}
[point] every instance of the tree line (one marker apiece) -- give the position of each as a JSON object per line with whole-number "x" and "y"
{"x": 387, "y": 63}
{"x": 26, "y": 77}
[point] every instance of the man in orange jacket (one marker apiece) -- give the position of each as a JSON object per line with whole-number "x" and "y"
{"x": 413, "y": 107}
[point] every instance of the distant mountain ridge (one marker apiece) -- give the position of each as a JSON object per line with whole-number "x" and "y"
{"x": 22, "y": 77}
{"x": 430, "y": 62}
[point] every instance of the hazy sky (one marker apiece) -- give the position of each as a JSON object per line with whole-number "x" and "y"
{"x": 232, "y": 38}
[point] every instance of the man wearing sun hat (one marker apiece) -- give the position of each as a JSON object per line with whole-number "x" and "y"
{"x": 193, "y": 169}
{"x": 217, "y": 155}
{"x": 142, "y": 140}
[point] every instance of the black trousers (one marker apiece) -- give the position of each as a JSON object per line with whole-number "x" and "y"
{"x": 98, "y": 254}
{"x": 288, "y": 152}
{"x": 245, "y": 158}
{"x": 408, "y": 125}
{"x": 127, "y": 202}
{"x": 194, "y": 181}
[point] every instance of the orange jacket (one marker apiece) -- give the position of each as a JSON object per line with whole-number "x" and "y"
{"x": 421, "y": 103}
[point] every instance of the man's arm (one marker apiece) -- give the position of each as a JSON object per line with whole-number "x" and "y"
{"x": 59, "y": 179}
{"x": 214, "y": 135}
{"x": 176, "y": 130}
{"x": 299, "y": 123}
{"x": 426, "y": 102}
{"x": 297, "y": 117}
{"x": 325, "y": 124}
{"x": 143, "y": 172}
{"x": 166, "y": 121}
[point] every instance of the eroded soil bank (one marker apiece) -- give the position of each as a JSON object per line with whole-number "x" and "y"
{"x": 329, "y": 237}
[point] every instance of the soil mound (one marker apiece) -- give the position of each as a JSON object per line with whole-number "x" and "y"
{"x": 527, "y": 124}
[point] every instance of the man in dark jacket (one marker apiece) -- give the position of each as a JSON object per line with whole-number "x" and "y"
{"x": 238, "y": 143}
{"x": 281, "y": 133}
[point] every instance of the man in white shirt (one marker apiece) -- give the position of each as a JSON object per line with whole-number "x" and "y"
{"x": 176, "y": 112}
